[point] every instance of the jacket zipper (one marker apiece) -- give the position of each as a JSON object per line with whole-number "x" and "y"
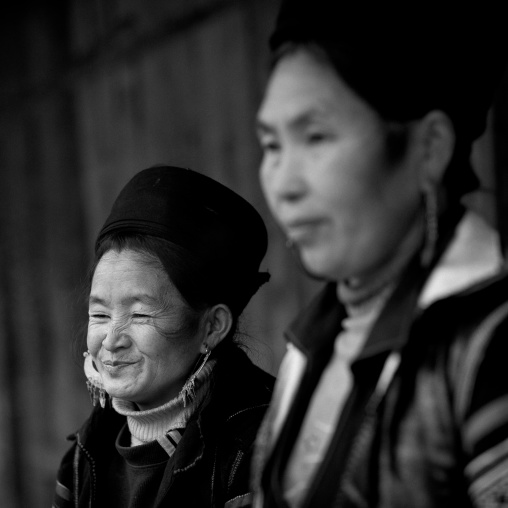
{"x": 92, "y": 475}
{"x": 234, "y": 468}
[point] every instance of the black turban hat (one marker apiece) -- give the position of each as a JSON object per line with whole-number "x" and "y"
{"x": 210, "y": 222}
{"x": 408, "y": 58}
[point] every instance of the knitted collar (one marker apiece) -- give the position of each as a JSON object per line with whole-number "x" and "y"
{"x": 149, "y": 425}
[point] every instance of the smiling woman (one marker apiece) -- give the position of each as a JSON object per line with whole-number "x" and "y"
{"x": 138, "y": 330}
{"x": 179, "y": 402}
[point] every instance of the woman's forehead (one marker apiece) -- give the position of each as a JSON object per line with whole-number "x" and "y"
{"x": 131, "y": 273}
{"x": 304, "y": 89}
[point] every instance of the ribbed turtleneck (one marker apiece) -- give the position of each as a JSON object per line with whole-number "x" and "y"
{"x": 149, "y": 425}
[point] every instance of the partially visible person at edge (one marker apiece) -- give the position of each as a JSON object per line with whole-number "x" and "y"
{"x": 394, "y": 389}
{"x": 177, "y": 401}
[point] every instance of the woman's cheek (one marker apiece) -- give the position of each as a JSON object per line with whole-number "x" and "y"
{"x": 93, "y": 338}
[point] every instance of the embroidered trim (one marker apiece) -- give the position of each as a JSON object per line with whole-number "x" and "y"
{"x": 239, "y": 501}
{"x": 213, "y": 475}
{"x": 92, "y": 470}
{"x": 75, "y": 465}
{"x": 474, "y": 356}
{"x": 182, "y": 469}
{"x": 491, "y": 488}
{"x": 170, "y": 440}
{"x": 486, "y": 420}
{"x": 234, "y": 467}
{"x": 477, "y": 467}
{"x": 63, "y": 492}
{"x": 246, "y": 409}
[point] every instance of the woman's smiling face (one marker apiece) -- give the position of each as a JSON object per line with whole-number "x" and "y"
{"x": 142, "y": 335}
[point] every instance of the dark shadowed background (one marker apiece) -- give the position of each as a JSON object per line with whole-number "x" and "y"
{"x": 92, "y": 91}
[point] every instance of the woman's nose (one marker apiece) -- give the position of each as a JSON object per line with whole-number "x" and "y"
{"x": 116, "y": 337}
{"x": 287, "y": 180}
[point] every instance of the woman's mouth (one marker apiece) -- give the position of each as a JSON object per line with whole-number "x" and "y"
{"x": 300, "y": 231}
{"x": 115, "y": 366}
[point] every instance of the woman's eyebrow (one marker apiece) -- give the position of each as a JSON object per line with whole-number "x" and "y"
{"x": 141, "y": 297}
{"x": 299, "y": 121}
{"x": 263, "y": 127}
{"x": 96, "y": 299}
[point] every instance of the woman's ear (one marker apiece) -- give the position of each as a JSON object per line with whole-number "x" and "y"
{"x": 218, "y": 324}
{"x": 436, "y": 139}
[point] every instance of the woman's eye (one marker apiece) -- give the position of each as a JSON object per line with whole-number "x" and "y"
{"x": 97, "y": 315}
{"x": 269, "y": 145}
{"x": 316, "y": 137}
{"x": 139, "y": 315}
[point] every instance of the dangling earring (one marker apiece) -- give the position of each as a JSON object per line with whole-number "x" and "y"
{"x": 188, "y": 392}
{"x": 431, "y": 224}
{"x": 94, "y": 382}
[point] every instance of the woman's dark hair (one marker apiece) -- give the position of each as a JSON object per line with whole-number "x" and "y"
{"x": 459, "y": 177}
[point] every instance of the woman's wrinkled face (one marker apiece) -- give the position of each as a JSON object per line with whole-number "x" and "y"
{"x": 325, "y": 172}
{"x": 138, "y": 331}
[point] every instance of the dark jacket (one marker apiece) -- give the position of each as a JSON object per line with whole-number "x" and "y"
{"x": 437, "y": 436}
{"x": 210, "y": 467}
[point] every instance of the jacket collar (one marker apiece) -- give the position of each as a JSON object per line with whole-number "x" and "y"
{"x": 103, "y": 425}
{"x": 473, "y": 255}
{"x": 315, "y": 331}
{"x": 319, "y": 324}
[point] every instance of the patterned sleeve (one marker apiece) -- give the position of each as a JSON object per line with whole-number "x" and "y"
{"x": 482, "y": 407}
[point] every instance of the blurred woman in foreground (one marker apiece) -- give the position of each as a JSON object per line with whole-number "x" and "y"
{"x": 393, "y": 392}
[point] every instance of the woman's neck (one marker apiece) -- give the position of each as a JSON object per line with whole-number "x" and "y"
{"x": 146, "y": 426}
{"x": 359, "y": 292}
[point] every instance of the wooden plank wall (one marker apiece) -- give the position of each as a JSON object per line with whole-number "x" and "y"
{"x": 90, "y": 93}
{"x": 93, "y": 92}
{"x": 42, "y": 258}
{"x": 180, "y": 83}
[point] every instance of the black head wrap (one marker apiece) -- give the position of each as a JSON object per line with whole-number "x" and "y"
{"x": 211, "y": 222}
{"x": 408, "y": 58}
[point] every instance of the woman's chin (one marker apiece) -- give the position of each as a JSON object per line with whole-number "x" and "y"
{"x": 118, "y": 391}
{"x": 319, "y": 265}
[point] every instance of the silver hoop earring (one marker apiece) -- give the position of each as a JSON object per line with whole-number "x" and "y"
{"x": 94, "y": 382}
{"x": 188, "y": 392}
{"x": 431, "y": 225}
